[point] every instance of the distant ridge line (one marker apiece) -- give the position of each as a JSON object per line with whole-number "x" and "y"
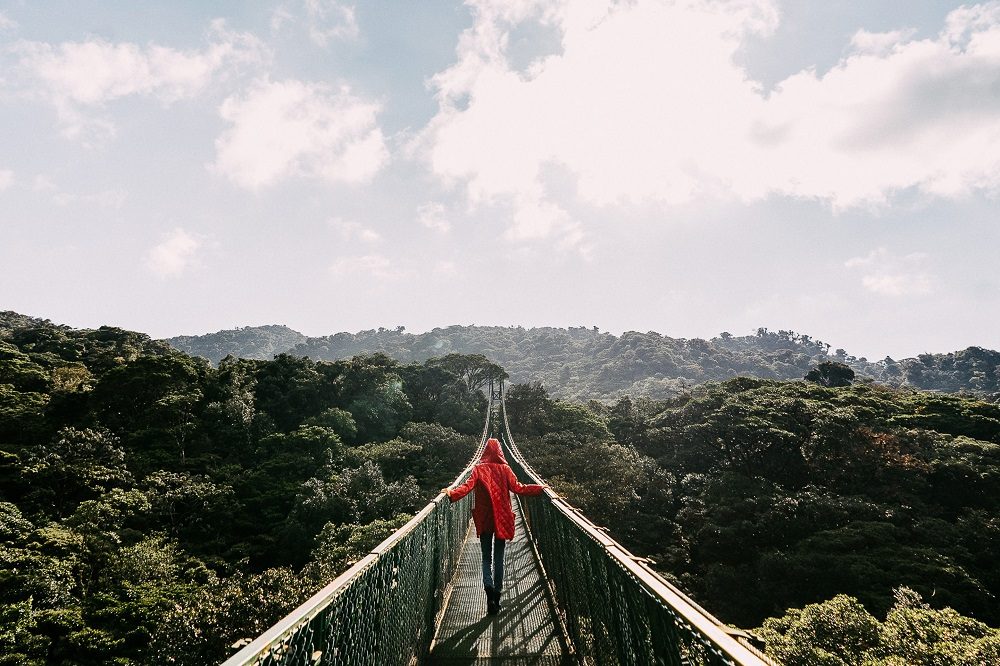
{"x": 586, "y": 363}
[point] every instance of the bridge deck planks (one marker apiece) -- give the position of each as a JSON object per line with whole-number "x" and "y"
{"x": 524, "y": 633}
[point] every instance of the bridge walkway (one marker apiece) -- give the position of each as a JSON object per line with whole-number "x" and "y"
{"x": 524, "y": 633}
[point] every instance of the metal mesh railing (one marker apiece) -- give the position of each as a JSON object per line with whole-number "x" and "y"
{"x": 615, "y": 609}
{"x": 383, "y": 610}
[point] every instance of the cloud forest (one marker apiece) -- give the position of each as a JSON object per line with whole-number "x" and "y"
{"x": 159, "y": 509}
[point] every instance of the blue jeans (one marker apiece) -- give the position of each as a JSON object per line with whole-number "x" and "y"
{"x": 492, "y": 560}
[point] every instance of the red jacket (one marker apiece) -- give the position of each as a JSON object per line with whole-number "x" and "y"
{"x": 493, "y": 480}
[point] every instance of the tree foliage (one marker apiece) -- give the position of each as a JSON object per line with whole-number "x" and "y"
{"x": 154, "y": 509}
{"x": 841, "y": 632}
{"x": 757, "y": 496}
{"x": 831, "y": 374}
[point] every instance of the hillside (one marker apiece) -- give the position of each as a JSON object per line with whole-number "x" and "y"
{"x": 585, "y": 363}
{"x": 256, "y": 342}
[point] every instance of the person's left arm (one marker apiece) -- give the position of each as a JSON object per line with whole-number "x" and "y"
{"x": 523, "y": 488}
{"x": 455, "y": 494}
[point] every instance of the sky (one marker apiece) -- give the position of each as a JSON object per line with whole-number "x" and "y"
{"x": 682, "y": 166}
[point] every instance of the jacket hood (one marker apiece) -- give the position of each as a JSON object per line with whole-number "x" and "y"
{"x": 493, "y": 453}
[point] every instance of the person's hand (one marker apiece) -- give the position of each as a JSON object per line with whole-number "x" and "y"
{"x": 445, "y": 491}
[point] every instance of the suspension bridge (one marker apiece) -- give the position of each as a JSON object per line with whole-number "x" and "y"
{"x": 572, "y": 595}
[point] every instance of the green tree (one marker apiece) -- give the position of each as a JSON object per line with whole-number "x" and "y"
{"x": 289, "y": 389}
{"x": 840, "y": 632}
{"x": 339, "y": 421}
{"x": 76, "y": 465}
{"x": 475, "y": 370}
{"x": 382, "y": 410}
{"x": 208, "y": 626}
{"x": 186, "y": 504}
{"x": 340, "y": 546}
{"x": 528, "y": 408}
{"x": 831, "y": 374}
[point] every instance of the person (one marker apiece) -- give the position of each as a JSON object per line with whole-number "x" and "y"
{"x": 493, "y": 479}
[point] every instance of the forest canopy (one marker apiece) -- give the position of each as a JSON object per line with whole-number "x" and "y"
{"x": 763, "y": 498}
{"x": 155, "y": 509}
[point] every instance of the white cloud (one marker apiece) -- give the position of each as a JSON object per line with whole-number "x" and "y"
{"x": 899, "y": 284}
{"x": 290, "y": 128}
{"x": 329, "y": 19}
{"x": 6, "y": 179}
{"x": 42, "y": 183}
{"x": 322, "y": 20}
{"x": 110, "y": 198}
{"x": 7, "y": 23}
{"x": 879, "y": 43}
{"x": 535, "y": 218}
{"x": 963, "y": 24}
{"x": 351, "y": 230}
{"x": 280, "y": 17}
{"x": 434, "y": 216}
{"x": 645, "y": 103}
{"x": 369, "y": 236}
{"x": 105, "y": 199}
{"x": 886, "y": 274}
{"x": 174, "y": 254}
{"x": 77, "y": 78}
{"x": 446, "y": 268}
{"x": 374, "y": 266}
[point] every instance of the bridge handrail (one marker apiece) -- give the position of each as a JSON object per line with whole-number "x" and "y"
{"x": 709, "y": 640}
{"x": 281, "y": 643}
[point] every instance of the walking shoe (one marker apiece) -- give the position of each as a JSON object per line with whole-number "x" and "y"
{"x": 495, "y": 598}
{"x": 491, "y": 606}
